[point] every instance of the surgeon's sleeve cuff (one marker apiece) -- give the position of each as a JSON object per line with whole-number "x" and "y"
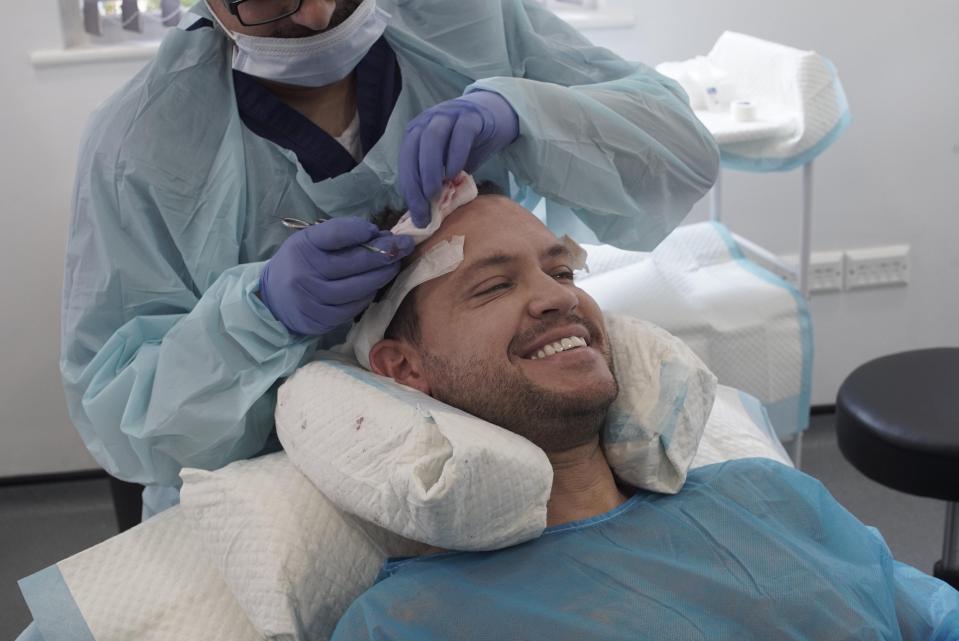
{"x": 247, "y": 318}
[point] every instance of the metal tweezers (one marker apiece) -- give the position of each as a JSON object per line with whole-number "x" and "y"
{"x": 296, "y": 223}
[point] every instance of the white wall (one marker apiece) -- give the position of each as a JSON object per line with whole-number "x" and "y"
{"x": 893, "y": 178}
{"x": 43, "y": 115}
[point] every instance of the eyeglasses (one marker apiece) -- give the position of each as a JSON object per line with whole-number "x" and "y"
{"x": 252, "y": 13}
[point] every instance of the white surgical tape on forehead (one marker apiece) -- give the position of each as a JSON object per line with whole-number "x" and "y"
{"x": 576, "y": 252}
{"x": 442, "y": 259}
{"x": 439, "y": 260}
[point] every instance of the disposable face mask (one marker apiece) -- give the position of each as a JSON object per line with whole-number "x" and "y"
{"x": 313, "y": 61}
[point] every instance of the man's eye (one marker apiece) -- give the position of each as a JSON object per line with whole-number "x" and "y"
{"x": 563, "y": 274}
{"x": 495, "y": 288}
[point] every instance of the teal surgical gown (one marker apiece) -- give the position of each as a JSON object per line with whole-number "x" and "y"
{"x": 748, "y": 550}
{"x": 168, "y": 357}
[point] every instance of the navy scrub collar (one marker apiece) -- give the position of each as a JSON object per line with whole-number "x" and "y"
{"x": 378, "y": 84}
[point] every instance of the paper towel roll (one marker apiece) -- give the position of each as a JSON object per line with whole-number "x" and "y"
{"x": 743, "y": 110}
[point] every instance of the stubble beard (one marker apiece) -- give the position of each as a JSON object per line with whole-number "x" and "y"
{"x": 553, "y": 421}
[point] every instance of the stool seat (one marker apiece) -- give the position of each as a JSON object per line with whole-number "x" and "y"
{"x": 897, "y": 421}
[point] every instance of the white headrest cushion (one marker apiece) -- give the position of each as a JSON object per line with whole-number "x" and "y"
{"x": 430, "y": 472}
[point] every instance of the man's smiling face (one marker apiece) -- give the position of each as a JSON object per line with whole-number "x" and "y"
{"x": 508, "y": 336}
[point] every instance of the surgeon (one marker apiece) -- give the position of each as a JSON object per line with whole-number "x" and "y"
{"x": 748, "y": 549}
{"x": 186, "y": 300}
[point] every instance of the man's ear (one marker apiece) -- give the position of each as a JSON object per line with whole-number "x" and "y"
{"x": 400, "y": 361}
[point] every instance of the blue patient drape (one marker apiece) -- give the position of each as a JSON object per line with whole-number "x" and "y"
{"x": 749, "y": 549}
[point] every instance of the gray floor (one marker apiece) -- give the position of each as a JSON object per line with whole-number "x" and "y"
{"x": 912, "y": 526}
{"x": 42, "y": 524}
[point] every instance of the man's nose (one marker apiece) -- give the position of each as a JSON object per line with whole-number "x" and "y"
{"x": 314, "y": 14}
{"x": 551, "y": 296}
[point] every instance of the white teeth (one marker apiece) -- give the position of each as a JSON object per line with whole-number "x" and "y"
{"x": 559, "y": 346}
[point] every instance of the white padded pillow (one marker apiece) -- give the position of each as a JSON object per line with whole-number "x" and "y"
{"x": 292, "y": 560}
{"x": 405, "y": 461}
{"x": 153, "y": 582}
{"x": 665, "y": 397}
{"x": 433, "y": 473}
{"x": 256, "y": 538}
{"x": 738, "y": 427}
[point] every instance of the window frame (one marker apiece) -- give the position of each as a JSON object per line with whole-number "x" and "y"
{"x": 71, "y": 22}
{"x": 75, "y": 35}
{"x": 79, "y": 48}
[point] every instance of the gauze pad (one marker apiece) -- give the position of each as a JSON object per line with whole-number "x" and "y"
{"x": 456, "y": 193}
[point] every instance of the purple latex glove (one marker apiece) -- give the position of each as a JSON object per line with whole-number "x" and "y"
{"x": 455, "y": 135}
{"x": 320, "y": 277}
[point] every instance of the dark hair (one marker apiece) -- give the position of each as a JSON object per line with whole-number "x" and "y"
{"x": 387, "y": 218}
{"x": 489, "y": 188}
{"x": 406, "y": 324}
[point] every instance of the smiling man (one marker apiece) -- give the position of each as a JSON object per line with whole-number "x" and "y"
{"x": 538, "y": 361}
{"x": 508, "y": 336}
{"x": 748, "y": 549}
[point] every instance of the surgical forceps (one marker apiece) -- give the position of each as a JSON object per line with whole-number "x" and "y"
{"x": 296, "y": 223}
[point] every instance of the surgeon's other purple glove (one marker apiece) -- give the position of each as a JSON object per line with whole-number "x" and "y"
{"x": 320, "y": 277}
{"x": 456, "y": 135}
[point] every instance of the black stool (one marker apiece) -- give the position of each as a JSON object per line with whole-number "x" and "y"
{"x": 127, "y": 503}
{"x": 897, "y": 422}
